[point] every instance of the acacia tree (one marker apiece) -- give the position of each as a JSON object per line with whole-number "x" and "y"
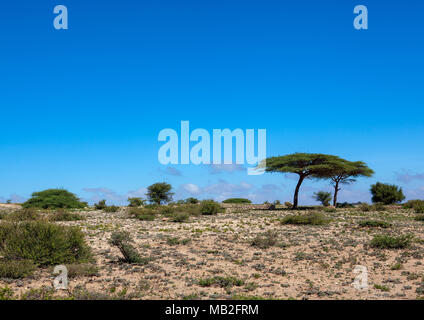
{"x": 345, "y": 172}
{"x": 306, "y": 165}
{"x": 159, "y": 192}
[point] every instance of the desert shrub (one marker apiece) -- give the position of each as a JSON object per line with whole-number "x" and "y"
{"x": 159, "y": 193}
{"x": 135, "y": 202}
{"x": 166, "y": 210}
{"x": 123, "y": 242}
{"x": 82, "y": 270}
{"x": 329, "y": 210}
{"x": 323, "y": 197}
{"x": 176, "y": 241}
{"x": 223, "y": 282}
{"x": 365, "y": 207}
{"x": 344, "y": 205}
{"x": 191, "y": 200}
{"x": 419, "y": 217}
{"x": 276, "y": 203}
{"x": 54, "y": 199}
{"x": 419, "y": 209}
{"x": 386, "y": 193}
{"x": 101, "y": 205}
{"x": 6, "y": 293}
{"x": 412, "y": 204}
{"x": 43, "y": 243}
{"x": 180, "y": 217}
{"x": 209, "y": 207}
{"x": 265, "y": 240}
{"x": 314, "y": 218}
{"x": 288, "y": 204}
{"x": 111, "y": 209}
{"x": 374, "y": 224}
{"x": 378, "y": 207}
{"x": 237, "y": 200}
{"x": 62, "y": 215}
{"x": 143, "y": 214}
{"x": 391, "y": 242}
{"x": 16, "y": 269}
{"x": 43, "y": 293}
{"x": 25, "y": 214}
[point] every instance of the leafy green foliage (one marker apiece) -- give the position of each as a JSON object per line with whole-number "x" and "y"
{"x": 223, "y": 282}
{"x": 159, "y": 193}
{"x": 237, "y": 200}
{"x": 374, "y": 224}
{"x": 16, "y": 269}
{"x": 386, "y": 193}
{"x": 53, "y": 199}
{"x": 101, "y": 205}
{"x": 323, "y": 197}
{"x": 123, "y": 242}
{"x": 180, "y": 217}
{"x": 209, "y": 207}
{"x": 135, "y": 202}
{"x": 265, "y": 240}
{"x": 111, "y": 209}
{"x": 191, "y": 200}
{"x": 314, "y": 218}
{"x": 144, "y": 214}
{"x": 25, "y": 214}
{"x": 43, "y": 243}
{"x": 63, "y": 215}
{"x": 412, "y": 204}
{"x": 391, "y": 242}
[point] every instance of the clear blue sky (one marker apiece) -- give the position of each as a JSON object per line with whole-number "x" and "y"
{"x": 81, "y": 108}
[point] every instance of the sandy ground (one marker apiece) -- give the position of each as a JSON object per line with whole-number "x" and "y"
{"x": 309, "y": 262}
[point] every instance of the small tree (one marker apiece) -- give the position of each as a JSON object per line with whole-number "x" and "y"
{"x": 386, "y": 193}
{"x": 323, "y": 197}
{"x": 53, "y": 199}
{"x": 305, "y": 165}
{"x": 345, "y": 172}
{"x": 135, "y": 202}
{"x": 159, "y": 193}
{"x": 100, "y": 205}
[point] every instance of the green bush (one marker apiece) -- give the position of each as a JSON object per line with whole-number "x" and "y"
{"x": 390, "y": 242}
{"x": 419, "y": 217}
{"x": 53, "y": 199}
{"x": 365, "y": 207}
{"x": 122, "y": 241}
{"x": 386, "y": 193}
{"x": 314, "y": 218}
{"x": 375, "y": 224}
{"x": 191, "y": 200}
{"x": 63, "y": 215}
{"x": 135, "y": 202}
{"x": 16, "y": 269}
{"x": 223, "y": 282}
{"x": 288, "y": 204}
{"x": 323, "y": 197}
{"x": 209, "y": 207}
{"x": 82, "y": 270}
{"x": 6, "y": 293}
{"x": 344, "y": 205}
{"x": 25, "y": 214}
{"x": 101, "y": 205}
{"x": 111, "y": 209}
{"x": 265, "y": 240}
{"x": 412, "y": 204}
{"x": 166, "y": 210}
{"x": 143, "y": 214}
{"x": 43, "y": 243}
{"x": 419, "y": 209}
{"x": 237, "y": 200}
{"x": 180, "y": 217}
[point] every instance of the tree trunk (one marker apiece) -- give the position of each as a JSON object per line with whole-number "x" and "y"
{"x": 296, "y": 191}
{"x": 336, "y": 190}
